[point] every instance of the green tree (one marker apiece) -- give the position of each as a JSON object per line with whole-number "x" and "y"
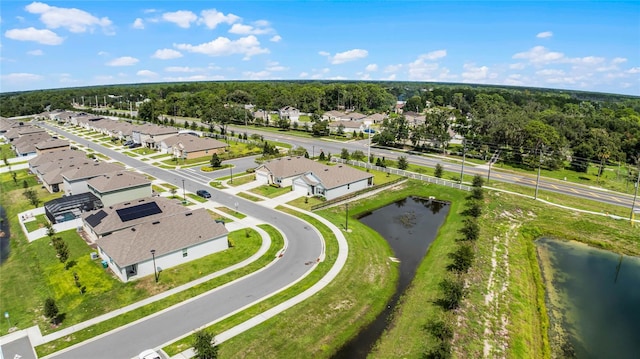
{"x": 358, "y": 155}
{"x": 453, "y": 291}
{"x": 403, "y": 164}
{"x": 462, "y": 258}
{"x": 32, "y": 196}
{"x": 438, "y": 171}
{"x": 215, "y": 161}
{"x": 344, "y": 154}
{"x": 204, "y": 345}
{"x": 14, "y": 176}
{"x": 321, "y": 157}
{"x": 474, "y": 209}
{"x": 470, "y": 229}
{"x": 477, "y": 181}
{"x": 51, "y": 310}
{"x": 340, "y": 130}
{"x": 25, "y": 184}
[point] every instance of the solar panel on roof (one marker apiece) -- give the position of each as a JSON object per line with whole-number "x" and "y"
{"x": 96, "y": 218}
{"x": 139, "y": 211}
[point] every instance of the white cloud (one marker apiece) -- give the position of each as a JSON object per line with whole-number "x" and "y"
{"x": 242, "y": 29}
{"x": 182, "y": 18}
{"x": 45, "y": 37}
{"x": 517, "y": 66}
{"x": 102, "y": 53}
{"x": 586, "y": 61}
{"x": 194, "y": 78}
{"x": 222, "y": 46}
{"x": 434, "y": 55}
{"x": 276, "y": 38}
{"x": 275, "y": 67}
{"x": 391, "y": 77}
{"x": 35, "y": 52}
{"x": 540, "y": 55}
{"x": 634, "y": 70}
{"x": 260, "y": 75}
{"x": 212, "y": 18}
{"x": 346, "y": 56}
{"x": 123, "y": 61}
{"x": 146, "y": 73}
{"x": 371, "y": 68}
{"x": 544, "y": 34}
{"x": 473, "y": 73}
{"x": 166, "y": 54}
{"x": 550, "y": 72}
{"x": 72, "y": 19}
{"x": 392, "y": 68}
{"x": 303, "y": 74}
{"x": 138, "y": 24}
{"x": 618, "y": 60}
{"x": 19, "y": 77}
{"x": 180, "y": 69}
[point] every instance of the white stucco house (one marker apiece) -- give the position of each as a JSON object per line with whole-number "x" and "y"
{"x": 119, "y": 187}
{"x": 311, "y": 178}
{"x": 74, "y": 180}
{"x": 150, "y": 247}
{"x": 289, "y": 112}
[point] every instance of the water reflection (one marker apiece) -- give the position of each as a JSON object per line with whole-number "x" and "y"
{"x": 594, "y": 300}
{"x": 4, "y": 236}
{"x": 409, "y": 226}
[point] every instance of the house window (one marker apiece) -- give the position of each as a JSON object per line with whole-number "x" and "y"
{"x": 184, "y": 253}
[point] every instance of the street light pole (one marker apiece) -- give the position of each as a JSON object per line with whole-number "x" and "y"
{"x": 368, "y": 123}
{"x": 231, "y": 169}
{"x": 635, "y": 196}
{"x": 184, "y": 194}
{"x": 155, "y": 271}
{"x": 535, "y": 197}
{"x": 346, "y": 218}
{"x": 464, "y": 152}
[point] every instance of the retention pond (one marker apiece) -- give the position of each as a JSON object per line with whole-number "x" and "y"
{"x": 409, "y": 226}
{"x": 593, "y": 300}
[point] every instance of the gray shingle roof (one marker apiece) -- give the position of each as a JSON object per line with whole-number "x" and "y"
{"x": 330, "y": 176}
{"x": 91, "y": 170}
{"x": 52, "y": 143}
{"x": 117, "y": 180}
{"x": 165, "y": 235}
{"x": 111, "y": 222}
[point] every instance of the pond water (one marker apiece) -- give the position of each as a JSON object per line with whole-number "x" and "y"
{"x": 593, "y": 300}
{"x": 409, "y": 226}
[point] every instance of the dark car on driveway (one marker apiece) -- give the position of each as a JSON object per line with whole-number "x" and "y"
{"x": 204, "y": 194}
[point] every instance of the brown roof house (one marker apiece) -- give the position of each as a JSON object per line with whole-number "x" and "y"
{"x": 188, "y": 146}
{"x": 150, "y": 135}
{"x": 25, "y": 145}
{"x": 51, "y": 144}
{"x": 311, "y": 178}
{"x": 146, "y": 236}
{"x": 75, "y": 179}
{"x": 49, "y": 166}
{"x": 117, "y": 187}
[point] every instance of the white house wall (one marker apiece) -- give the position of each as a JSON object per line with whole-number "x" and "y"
{"x": 346, "y": 189}
{"x": 262, "y": 176}
{"x": 75, "y": 187}
{"x": 124, "y": 195}
{"x": 169, "y": 260}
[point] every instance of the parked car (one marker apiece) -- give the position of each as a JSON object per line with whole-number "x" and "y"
{"x": 149, "y": 354}
{"x": 203, "y": 193}
{"x": 128, "y": 143}
{"x": 134, "y": 145}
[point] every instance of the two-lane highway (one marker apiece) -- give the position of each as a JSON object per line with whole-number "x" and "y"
{"x": 304, "y": 247}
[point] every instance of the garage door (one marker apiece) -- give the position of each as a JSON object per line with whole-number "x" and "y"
{"x": 262, "y": 177}
{"x": 300, "y": 187}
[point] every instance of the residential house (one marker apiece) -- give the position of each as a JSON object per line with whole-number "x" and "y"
{"x": 25, "y": 145}
{"x": 20, "y": 129}
{"x": 312, "y": 178}
{"x": 289, "y": 112}
{"x": 75, "y": 179}
{"x": 48, "y": 166}
{"x": 376, "y": 118}
{"x": 50, "y": 145}
{"x": 68, "y": 208}
{"x": 117, "y": 187}
{"x": 152, "y": 246}
{"x": 333, "y": 115}
{"x": 150, "y": 135}
{"x": 188, "y": 146}
{"x": 347, "y": 126}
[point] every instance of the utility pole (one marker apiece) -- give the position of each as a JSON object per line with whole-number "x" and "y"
{"x": 464, "y": 153}
{"x": 535, "y": 197}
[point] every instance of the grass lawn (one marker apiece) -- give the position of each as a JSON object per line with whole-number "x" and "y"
{"x": 270, "y": 191}
{"x": 7, "y": 184}
{"x": 217, "y": 216}
{"x": 161, "y": 155}
{"x": 306, "y": 202}
{"x": 231, "y": 212}
{"x": 39, "y": 222}
{"x": 144, "y": 151}
{"x": 6, "y": 152}
{"x": 249, "y": 197}
{"x": 157, "y": 189}
{"x": 240, "y": 180}
{"x": 196, "y": 198}
{"x": 245, "y": 243}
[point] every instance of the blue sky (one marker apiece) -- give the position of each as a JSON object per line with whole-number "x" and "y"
{"x": 592, "y": 46}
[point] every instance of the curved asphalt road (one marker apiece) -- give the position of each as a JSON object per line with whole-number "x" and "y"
{"x": 304, "y": 246}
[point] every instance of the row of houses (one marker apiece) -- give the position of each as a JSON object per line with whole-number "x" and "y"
{"x": 28, "y": 140}
{"x": 164, "y": 139}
